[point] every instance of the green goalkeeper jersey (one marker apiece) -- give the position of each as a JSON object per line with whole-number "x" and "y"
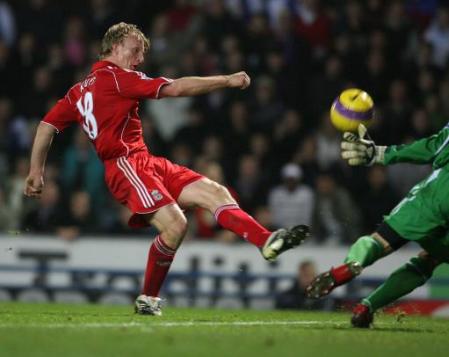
{"x": 431, "y": 150}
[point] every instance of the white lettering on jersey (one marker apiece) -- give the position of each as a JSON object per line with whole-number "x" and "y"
{"x": 87, "y": 82}
{"x": 86, "y": 108}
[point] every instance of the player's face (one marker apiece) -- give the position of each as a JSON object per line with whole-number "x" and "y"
{"x": 130, "y": 52}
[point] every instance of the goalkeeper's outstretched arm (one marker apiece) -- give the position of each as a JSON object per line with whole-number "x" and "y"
{"x": 361, "y": 150}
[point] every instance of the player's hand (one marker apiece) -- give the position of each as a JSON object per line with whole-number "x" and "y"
{"x": 239, "y": 80}
{"x": 360, "y": 149}
{"x": 34, "y": 184}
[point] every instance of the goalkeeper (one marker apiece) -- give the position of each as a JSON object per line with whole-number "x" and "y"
{"x": 422, "y": 216}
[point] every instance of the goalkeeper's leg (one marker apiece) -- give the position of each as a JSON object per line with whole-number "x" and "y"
{"x": 400, "y": 283}
{"x": 364, "y": 252}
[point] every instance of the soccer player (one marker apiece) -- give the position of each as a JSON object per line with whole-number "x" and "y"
{"x": 422, "y": 216}
{"x": 105, "y": 104}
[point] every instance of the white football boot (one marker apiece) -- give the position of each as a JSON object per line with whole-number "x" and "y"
{"x": 148, "y": 305}
{"x": 283, "y": 239}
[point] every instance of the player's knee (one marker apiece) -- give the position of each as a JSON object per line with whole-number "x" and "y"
{"x": 215, "y": 188}
{"x": 424, "y": 265}
{"x": 175, "y": 230}
{"x": 217, "y": 195}
{"x": 221, "y": 194}
{"x": 179, "y": 226}
{"x": 224, "y": 193}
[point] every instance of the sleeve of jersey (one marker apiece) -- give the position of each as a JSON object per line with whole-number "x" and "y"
{"x": 61, "y": 115}
{"x": 422, "y": 151}
{"x": 133, "y": 84}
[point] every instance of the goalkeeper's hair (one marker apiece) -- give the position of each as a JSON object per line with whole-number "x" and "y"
{"x": 117, "y": 33}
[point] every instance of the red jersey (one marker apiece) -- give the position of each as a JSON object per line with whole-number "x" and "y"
{"x": 106, "y": 104}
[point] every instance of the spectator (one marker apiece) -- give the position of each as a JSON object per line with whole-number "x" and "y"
{"x": 46, "y": 215}
{"x": 78, "y": 218}
{"x": 7, "y": 216}
{"x": 378, "y": 198}
{"x": 420, "y": 124}
{"x": 14, "y": 198}
{"x": 5, "y": 117}
{"x": 74, "y": 42}
{"x": 249, "y": 182}
{"x": 292, "y": 201}
{"x": 396, "y": 113}
{"x": 325, "y": 86}
{"x": 336, "y": 217}
{"x": 328, "y": 143}
{"x": 176, "y": 110}
{"x": 438, "y": 36}
{"x": 288, "y": 133}
{"x": 7, "y": 24}
{"x": 266, "y": 108}
{"x": 306, "y": 157}
{"x": 313, "y": 25}
{"x": 295, "y": 296}
{"x": 217, "y": 22}
{"x": 192, "y": 131}
{"x": 5, "y": 71}
{"x": 82, "y": 170}
{"x": 237, "y": 130}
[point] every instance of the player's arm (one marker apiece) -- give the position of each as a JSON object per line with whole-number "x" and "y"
{"x": 190, "y": 86}
{"x": 56, "y": 120}
{"x": 423, "y": 151}
{"x": 42, "y": 142}
{"x": 361, "y": 150}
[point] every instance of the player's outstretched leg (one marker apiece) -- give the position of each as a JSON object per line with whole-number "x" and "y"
{"x": 400, "y": 283}
{"x": 284, "y": 239}
{"x": 364, "y": 252}
{"x": 271, "y": 244}
{"x": 217, "y": 200}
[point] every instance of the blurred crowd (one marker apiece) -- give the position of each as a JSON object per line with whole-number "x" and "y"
{"x": 272, "y": 145}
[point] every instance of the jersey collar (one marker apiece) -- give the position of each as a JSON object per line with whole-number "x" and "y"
{"x": 102, "y": 64}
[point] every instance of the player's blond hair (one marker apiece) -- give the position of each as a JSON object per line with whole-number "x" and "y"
{"x": 117, "y": 33}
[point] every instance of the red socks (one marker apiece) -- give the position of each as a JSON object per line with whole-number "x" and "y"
{"x": 160, "y": 258}
{"x": 233, "y": 218}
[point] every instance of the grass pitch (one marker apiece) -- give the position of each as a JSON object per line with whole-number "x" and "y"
{"x": 96, "y": 330}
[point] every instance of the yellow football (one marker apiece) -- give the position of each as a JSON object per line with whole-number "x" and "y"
{"x": 351, "y": 108}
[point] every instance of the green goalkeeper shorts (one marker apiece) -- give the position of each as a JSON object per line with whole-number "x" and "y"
{"x": 423, "y": 215}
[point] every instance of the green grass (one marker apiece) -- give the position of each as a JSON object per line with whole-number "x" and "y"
{"x": 98, "y": 330}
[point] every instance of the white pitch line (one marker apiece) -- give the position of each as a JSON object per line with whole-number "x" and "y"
{"x": 150, "y": 324}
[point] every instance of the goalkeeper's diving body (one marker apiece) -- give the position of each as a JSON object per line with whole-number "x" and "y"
{"x": 422, "y": 216}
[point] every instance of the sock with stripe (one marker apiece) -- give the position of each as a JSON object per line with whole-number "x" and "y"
{"x": 160, "y": 258}
{"x": 401, "y": 282}
{"x": 234, "y": 219}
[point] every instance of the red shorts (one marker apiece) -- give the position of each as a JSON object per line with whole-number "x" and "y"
{"x": 145, "y": 183}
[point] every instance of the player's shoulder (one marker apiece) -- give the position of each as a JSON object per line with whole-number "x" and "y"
{"x": 106, "y": 71}
{"x": 73, "y": 93}
{"x": 139, "y": 74}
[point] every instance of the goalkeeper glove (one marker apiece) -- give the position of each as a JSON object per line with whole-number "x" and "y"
{"x": 360, "y": 149}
